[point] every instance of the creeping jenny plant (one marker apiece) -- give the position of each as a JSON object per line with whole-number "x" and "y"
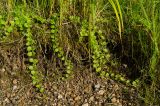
{"x": 31, "y": 47}
{"x": 56, "y": 46}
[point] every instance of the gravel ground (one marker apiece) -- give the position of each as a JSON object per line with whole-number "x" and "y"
{"x": 85, "y": 89}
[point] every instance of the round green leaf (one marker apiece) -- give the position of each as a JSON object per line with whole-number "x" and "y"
{"x": 59, "y": 55}
{"x": 69, "y": 71}
{"x": 29, "y": 54}
{"x": 128, "y": 82}
{"x": 112, "y": 75}
{"x": 26, "y": 25}
{"x": 122, "y": 79}
{"x": 34, "y": 82}
{"x": 63, "y": 58}
{"x": 56, "y": 50}
{"x": 12, "y": 23}
{"x": 2, "y": 22}
{"x": 98, "y": 69}
{"x": 107, "y": 75}
{"x": 102, "y": 73}
{"x": 33, "y": 72}
{"x": 52, "y": 21}
{"x": 31, "y": 67}
{"x": 105, "y": 50}
{"x": 33, "y": 78}
{"x": 53, "y": 31}
{"x": 68, "y": 67}
{"x": 28, "y": 44}
{"x": 7, "y": 33}
{"x": 66, "y": 75}
{"x": 41, "y": 90}
{"x": 38, "y": 86}
{"x": 29, "y": 48}
{"x": 31, "y": 60}
{"x": 35, "y": 61}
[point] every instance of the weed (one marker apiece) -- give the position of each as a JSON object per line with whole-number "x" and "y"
{"x": 56, "y": 46}
{"x": 30, "y": 44}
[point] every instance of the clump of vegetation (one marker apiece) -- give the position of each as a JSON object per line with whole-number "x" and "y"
{"x": 31, "y": 53}
{"x": 118, "y": 39}
{"x": 57, "y": 48}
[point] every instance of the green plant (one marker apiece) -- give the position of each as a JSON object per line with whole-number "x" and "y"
{"x": 9, "y": 28}
{"x": 84, "y": 30}
{"x": 98, "y": 25}
{"x": 23, "y": 23}
{"x": 56, "y": 46}
{"x": 2, "y": 25}
{"x": 100, "y": 53}
{"x": 2, "y": 22}
{"x": 75, "y": 19}
{"x": 6, "y": 27}
{"x": 117, "y": 10}
{"x": 31, "y": 47}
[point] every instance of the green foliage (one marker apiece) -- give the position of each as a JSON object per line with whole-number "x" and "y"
{"x": 58, "y": 50}
{"x": 6, "y": 27}
{"x": 31, "y": 53}
{"x": 2, "y": 21}
{"x": 96, "y": 26}
{"x": 75, "y": 19}
{"x": 2, "y": 25}
{"x": 84, "y": 30}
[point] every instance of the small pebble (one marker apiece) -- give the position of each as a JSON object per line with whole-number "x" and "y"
{"x": 55, "y": 93}
{"x": 113, "y": 100}
{"x": 86, "y": 104}
{"x": 14, "y": 87}
{"x": 87, "y": 89}
{"x": 77, "y": 98}
{"x": 91, "y": 98}
{"x": 113, "y": 95}
{"x": 60, "y": 96}
{"x": 119, "y": 104}
{"x": 101, "y": 92}
{"x": 7, "y": 100}
{"x": 8, "y": 95}
{"x": 116, "y": 86}
{"x": 2, "y": 70}
{"x": 97, "y": 86}
{"x": 129, "y": 104}
{"x": 15, "y": 81}
{"x": 118, "y": 101}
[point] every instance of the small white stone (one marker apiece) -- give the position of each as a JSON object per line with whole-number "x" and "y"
{"x": 86, "y": 104}
{"x": 14, "y": 87}
{"x": 60, "y": 96}
{"x": 101, "y": 92}
{"x": 2, "y": 70}
{"x": 91, "y": 98}
{"x": 7, "y": 100}
{"x": 97, "y": 86}
{"x": 114, "y": 100}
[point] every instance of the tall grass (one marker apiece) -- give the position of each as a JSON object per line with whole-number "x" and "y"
{"x": 145, "y": 16}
